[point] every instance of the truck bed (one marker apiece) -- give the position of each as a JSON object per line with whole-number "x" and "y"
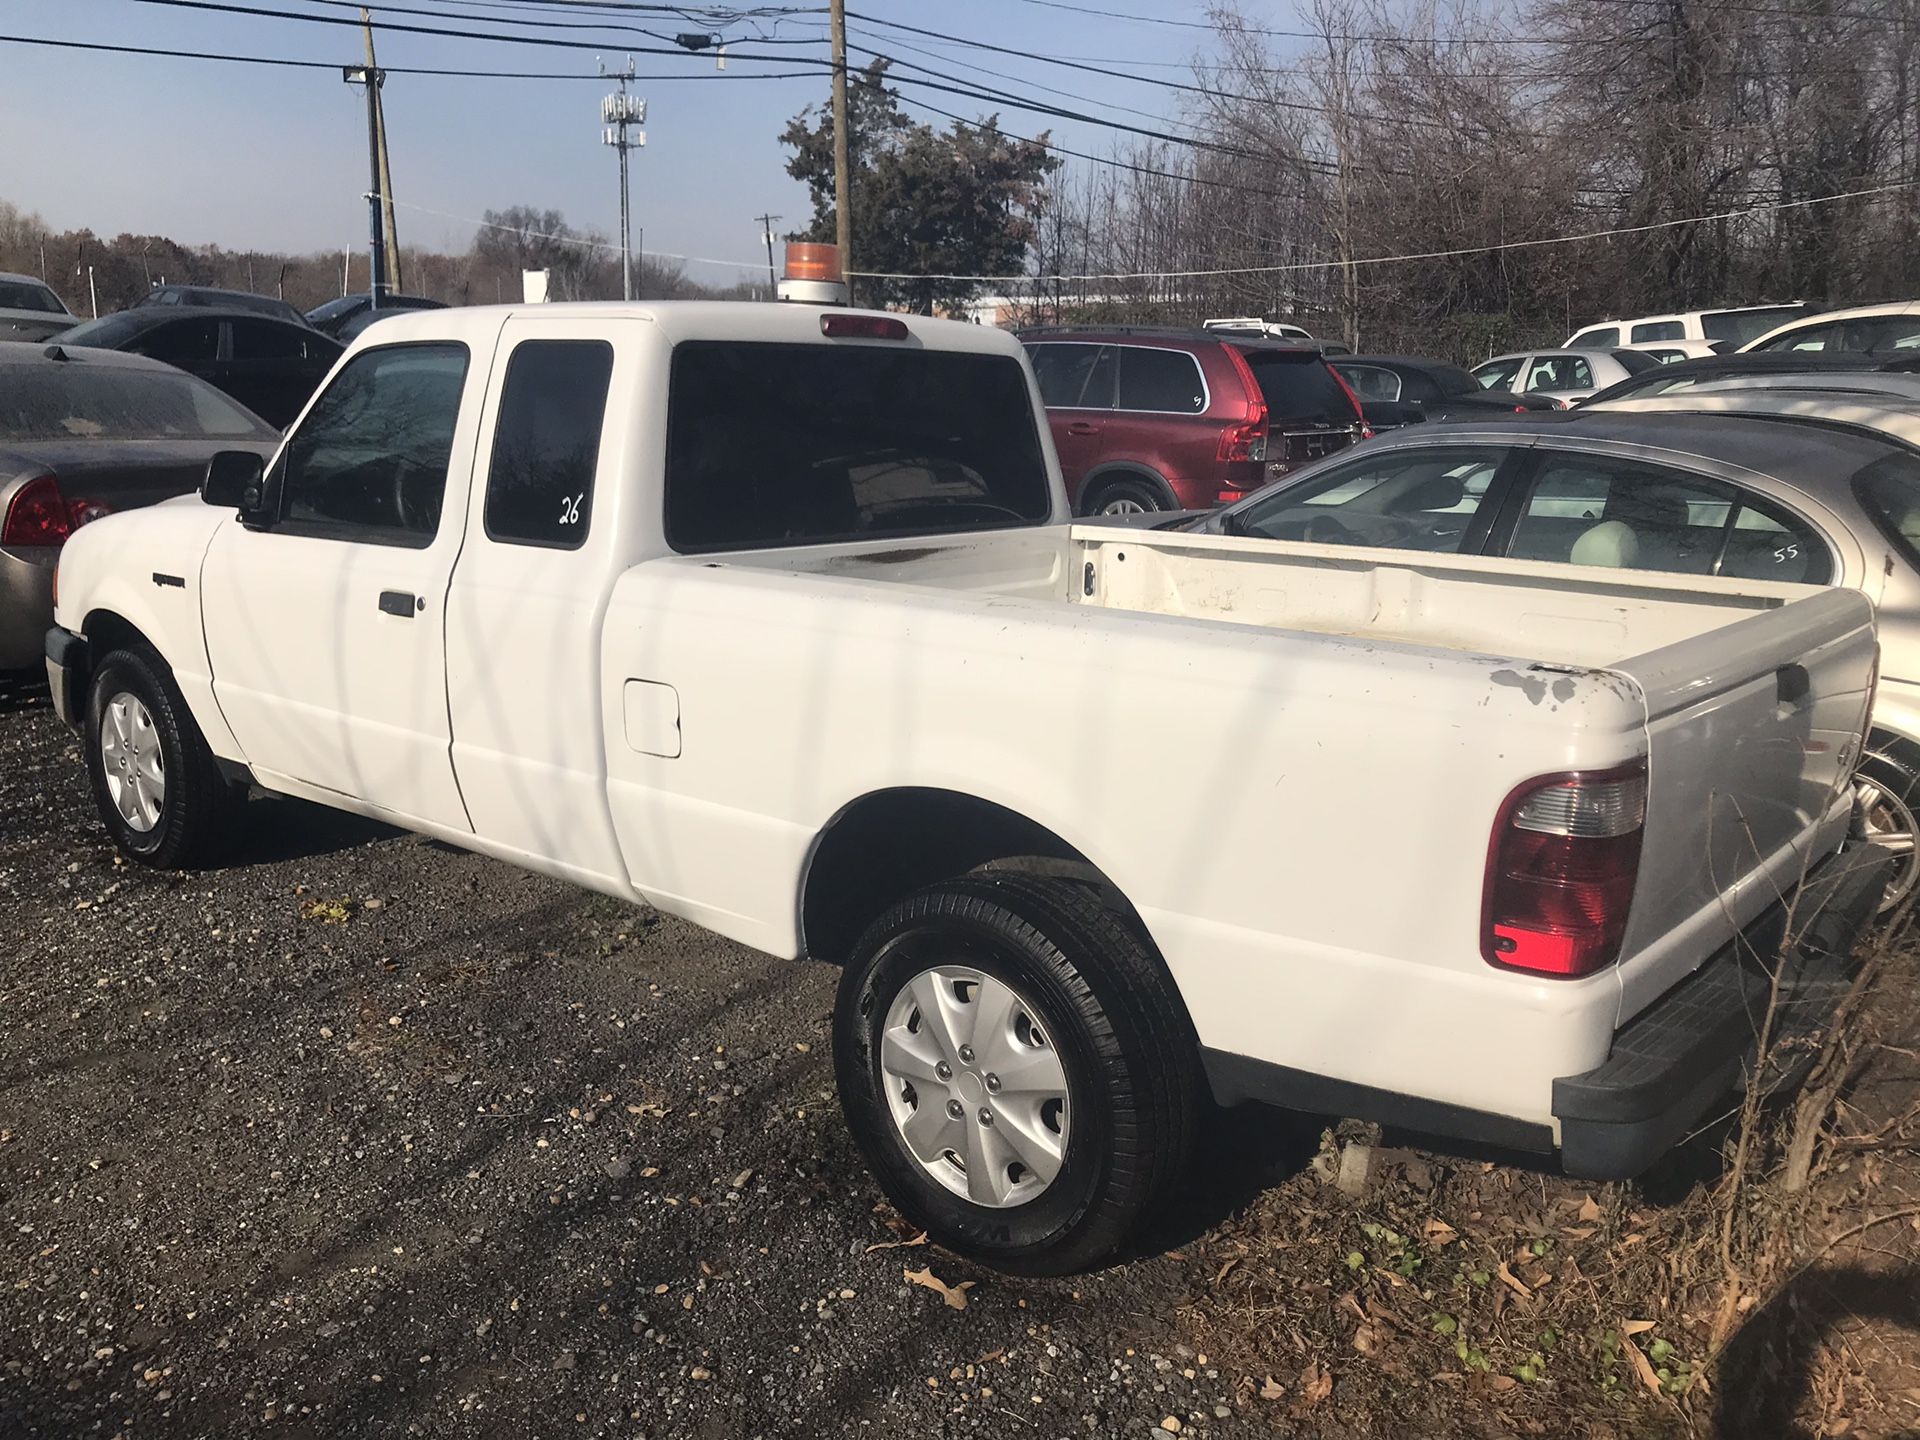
{"x": 1524, "y": 611}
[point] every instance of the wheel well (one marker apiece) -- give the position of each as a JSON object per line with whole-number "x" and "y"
{"x": 1093, "y": 484}
{"x": 1898, "y": 747}
{"x": 893, "y": 842}
{"x": 107, "y": 631}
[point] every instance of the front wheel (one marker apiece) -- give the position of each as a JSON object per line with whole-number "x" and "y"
{"x": 159, "y": 791}
{"x": 1018, "y": 1069}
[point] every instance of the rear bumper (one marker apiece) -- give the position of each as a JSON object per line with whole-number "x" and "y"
{"x": 1665, "y": 1069}
{"x": 67, "y": 672}
{"x": 26, "y": 604}
{"x": 1676, "y": 1059}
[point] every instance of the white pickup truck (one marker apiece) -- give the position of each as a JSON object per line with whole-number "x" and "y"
{"x": 771, "y": 617}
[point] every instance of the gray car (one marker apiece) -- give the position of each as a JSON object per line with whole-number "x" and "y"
{"x": 1802, "y": 487}
{"x": 82, "y": 434}
{"x": 29, "y": 310}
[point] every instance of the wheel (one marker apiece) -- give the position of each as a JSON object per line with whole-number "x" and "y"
{"x": 1888, "y": 788}
{"x": 1018, "y": 1069}
{"x": 1125, "y": 497}
{"x": 160, "y": 793}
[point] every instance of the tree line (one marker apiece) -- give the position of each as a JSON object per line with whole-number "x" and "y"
{"x": 581, "y": 265}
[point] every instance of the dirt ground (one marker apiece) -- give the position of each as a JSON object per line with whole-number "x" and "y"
{"x": 360, "y": 1135}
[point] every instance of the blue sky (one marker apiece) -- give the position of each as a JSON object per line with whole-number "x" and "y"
{"x": 276, "y": 159}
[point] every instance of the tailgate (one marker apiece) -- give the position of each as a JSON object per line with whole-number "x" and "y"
{"x": 1752, "y": 732}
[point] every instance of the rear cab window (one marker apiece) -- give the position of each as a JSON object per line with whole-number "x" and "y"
{"x": 1656, "y": 330}
{"x": 849, "y": 442}
{"x": 1737, "y": 327}
{"x": 546, "y": 443}
{"x": 1601, "y": 337}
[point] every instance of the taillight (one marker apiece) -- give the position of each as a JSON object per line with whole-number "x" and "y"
{"x": 1246, "y": 440}
{"x": 1561, "y": 870}
{"x": 863, "y": 327}
{"x": 38, "y": 514}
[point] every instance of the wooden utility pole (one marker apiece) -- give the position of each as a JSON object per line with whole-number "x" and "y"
{"x": 842, "y": 172}
{"x": 389, "y": 229}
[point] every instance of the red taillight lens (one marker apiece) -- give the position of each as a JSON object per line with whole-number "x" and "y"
{"x": 38, "y": 514}
{"x": 1561, "y": 871}
{"x": 863, "y": 327}
{"x": 1246, "y": 440}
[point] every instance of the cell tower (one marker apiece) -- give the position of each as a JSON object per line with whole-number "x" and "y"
{"x": 621, "y": 114}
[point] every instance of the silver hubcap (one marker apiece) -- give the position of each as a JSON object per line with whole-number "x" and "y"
{"x": 1888, "y": 821}
{"x": 975, "y": 1086}
{"x": 136, "y": 769}
{"x": 1123, "y": 505}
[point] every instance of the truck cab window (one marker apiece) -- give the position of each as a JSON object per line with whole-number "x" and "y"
{"x": 546, "y": 442}
{"x": 370, "y": 461}
{"x": 782, "y": 444}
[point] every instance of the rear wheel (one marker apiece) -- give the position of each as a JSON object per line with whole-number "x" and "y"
{"x": 1887, "y": 786}
{"x": 158, "y": 789}
{"x": 1125, "y": 497}
{"x": 1017, "y": 1068}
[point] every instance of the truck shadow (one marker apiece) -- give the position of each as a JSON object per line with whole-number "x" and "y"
{"x": 1767, "y": 1372}
{"x": 273, "y": 828}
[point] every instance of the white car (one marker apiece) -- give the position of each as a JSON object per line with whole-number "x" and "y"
{"x": 1866, "y": 329}
{"x": 30, "y": 311}
{"x": 833, "y": 675}
{"x": 1254, "y": 325}
{"x": 1668, "y": 351}
{"x": 1733, "y": 326}
{"x": 1563, "y": 375}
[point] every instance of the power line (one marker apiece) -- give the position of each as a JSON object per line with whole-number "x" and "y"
{"x": 1426, "y": 254}
{"x": 334, "y": 66}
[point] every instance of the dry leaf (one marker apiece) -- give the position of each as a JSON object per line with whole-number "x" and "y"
{"x": 919, "y": 1239}
{"x": 1272, "y": 1389}
{"x": 1580, "y": 1232}
{"x": 1508, "y": 1277}
{"x": 1501, "y": 1382}
{"x": 1440, "y": 1233}
{"x": 1635, "y": 1327}
{"x": 1641, "y": 1367}
{"x": 1631, "y": 1240}
{"x": 1366, "y": 1340}
{"x": 1316, "y": 1383}
{"x": 1222, "y": 1272}
{"x": 1589, "y": 1210}
{"x": 954, "y": 1295}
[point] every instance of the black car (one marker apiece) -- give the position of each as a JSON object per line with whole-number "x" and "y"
{"x": 350, "y": 314}
{"x": 1398, "y": 390}
{"x": 1683, "y": 374}
{"x": 270, "y": 366}
{"x": 206, "y": 297}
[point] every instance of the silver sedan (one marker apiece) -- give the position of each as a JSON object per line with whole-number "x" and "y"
{"x": 1802, "y": 487}
{"x": 1562, "y": 375}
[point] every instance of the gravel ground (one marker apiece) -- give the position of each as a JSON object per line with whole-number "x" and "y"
{"x": 362, "y": 1135}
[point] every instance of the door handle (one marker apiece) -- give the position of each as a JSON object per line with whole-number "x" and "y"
{"x": 399, "y": 602}
{"x": 1081, "y": 427}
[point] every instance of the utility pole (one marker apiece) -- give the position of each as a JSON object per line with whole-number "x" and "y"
{"x": 766, "y": 227}
{"x": 617, "y": 112}
{"x": 370, "y": 77}
{"x": 390, "y": 228}
{"x": 842, "y": 175}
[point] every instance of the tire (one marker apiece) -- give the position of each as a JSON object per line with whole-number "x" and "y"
{"x": 1887, "y": 785}
{"x": 1098, "y": 1006}
{"x": 167, "y": 805}
{"x": 1125, "y": 497}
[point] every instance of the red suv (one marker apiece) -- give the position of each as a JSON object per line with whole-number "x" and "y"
{"x": 1149, "y": 419}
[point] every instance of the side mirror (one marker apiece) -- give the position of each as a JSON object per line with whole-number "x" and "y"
{"x": 236, "y": 480}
